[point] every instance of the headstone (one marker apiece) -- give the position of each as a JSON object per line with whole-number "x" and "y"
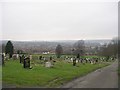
{"x": 40, "y": 57}
{"x": 81, "y": 60}
{"x": 91, "y": 62}
{"x": 48, "y": 64}
{"x": 44, "y": 58}
{"x": 14, "y": 56}
{"x": 3, "y": 60}
{"x": 71, "y": 59}
{"x": 30, "y": 57}
{"x": 86, "y": 61}
{"x": 26, "y": 63}
{"x": 50, "y": 58}
{"x": 77, "y": 60}
{"x": 20, "y": 57}
{"x": 17, "y": 56}
{"x": 23, "y": 58}
{"x": 74, "y": 62}
{"x": 96, "y": 60}
{"x": 4, "y": 54}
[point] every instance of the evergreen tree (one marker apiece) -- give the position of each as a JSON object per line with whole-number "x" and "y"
{"x": 9, "y": 49}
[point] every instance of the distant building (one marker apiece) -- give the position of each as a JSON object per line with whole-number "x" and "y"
{"x": 45, "y": 52}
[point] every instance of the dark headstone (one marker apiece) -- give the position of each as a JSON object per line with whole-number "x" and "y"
{"x": 50, "y": 58}
{"x": 20, "y": 59}
{"x": 3, "y": 60}
{"x": 26, "y": 63}
{"x": 40, "y": 57}
{"x": 81, "y": 60}
{"x": 96, "y": 60}
{"x": 74, "y": 62}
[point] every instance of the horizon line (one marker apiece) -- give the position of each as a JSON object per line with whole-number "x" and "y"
{"x": 55, "y": 40}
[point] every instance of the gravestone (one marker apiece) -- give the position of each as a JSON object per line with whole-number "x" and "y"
{"x": 3, "y": 60}
{"x": 44, "y": 58}
{"x": 81, "y": 60}
{"x": 17, "y": 56}
{"x": 74, "y": 62}
{"x": 6, "y": 57}
{"x": 40, "y": 57}
{"x": 91, "y": 62}
{"x": 96, "y": 60}
{"x": 48, "y": 64}
{"x": 26, "y": 63}
{"x": 30, "y": 57}
{"x": 78, "y": 57}
{"x": 50, "y": 58}
{"x": 14, "y": 56}
{"x": 71, "y": 59}
{"x": 86, "y": 60}
{"x": 20, "y": 57}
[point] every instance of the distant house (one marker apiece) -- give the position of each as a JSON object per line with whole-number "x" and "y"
{"x": 45, "y": 52}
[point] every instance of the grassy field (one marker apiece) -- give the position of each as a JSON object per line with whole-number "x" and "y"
{"x": 40, "y": 76}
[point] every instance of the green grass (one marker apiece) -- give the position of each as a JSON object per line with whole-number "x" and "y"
{"x": 0, "y": 75}
{"x": 40, "y": 76}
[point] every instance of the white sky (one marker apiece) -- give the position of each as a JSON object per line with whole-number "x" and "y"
{"x": 58, "y": 20}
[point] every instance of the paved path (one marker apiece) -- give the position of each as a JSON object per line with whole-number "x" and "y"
{"x": 106, "y": 77}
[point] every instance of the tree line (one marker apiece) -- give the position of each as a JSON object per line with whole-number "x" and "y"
{"x": 78, "y": 49}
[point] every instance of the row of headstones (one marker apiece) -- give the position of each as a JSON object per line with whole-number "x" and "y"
{"x": 49, "y": 61}
{"x": 74, "y": 60}
{"x": 83, "y": 61}
{"x": 6, "y": 56}
{"x": 86, "y": 60}
{"x": 26, "y": 61}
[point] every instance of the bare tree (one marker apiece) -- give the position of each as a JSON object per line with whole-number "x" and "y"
{"x": 110, "y": 50}
{"x": 58, "y": 51}
{"x": 79, "y": 48}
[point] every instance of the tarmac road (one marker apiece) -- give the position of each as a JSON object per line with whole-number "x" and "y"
{"x": 106, "y": 77}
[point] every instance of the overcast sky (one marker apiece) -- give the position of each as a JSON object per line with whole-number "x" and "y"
{"x": 52, "y": 20}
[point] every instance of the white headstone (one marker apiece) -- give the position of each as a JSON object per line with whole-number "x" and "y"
{"x": 30, "y": 57}
{"x": 76, "y": 61}
{"x": 71, "y": 59}
{"x": 48, "y": 64}
{"x": 4, "y": 54}
{"x": 17, "y": 55}
{"x": 91, "y": 62}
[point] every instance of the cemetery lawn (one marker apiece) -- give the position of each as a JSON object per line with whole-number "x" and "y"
{"x": 40, "y": 76}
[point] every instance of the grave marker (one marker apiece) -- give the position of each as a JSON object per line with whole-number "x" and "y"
{"x": 26, "y": 63}
{"x": 74, "y": 62}
{"x": 3, "y": 60}
{"x": 48, "y": 64}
